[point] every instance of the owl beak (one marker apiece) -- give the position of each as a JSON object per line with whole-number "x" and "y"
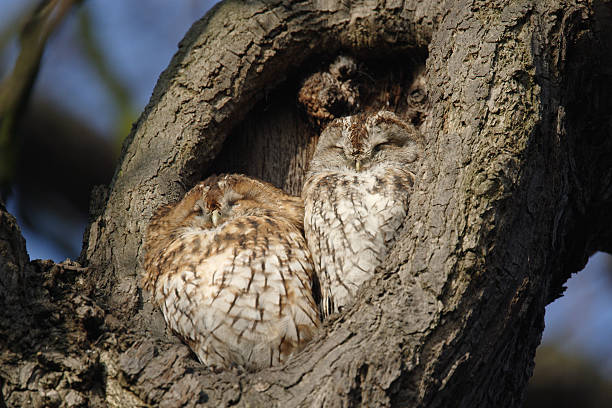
{"x": 357, "y": 165}
{"x": 215, "y": 217}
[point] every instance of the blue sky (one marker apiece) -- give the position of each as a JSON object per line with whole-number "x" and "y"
{"x": 139, "y": 42}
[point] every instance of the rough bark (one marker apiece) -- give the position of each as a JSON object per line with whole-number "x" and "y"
{"x": 514, "y": 193}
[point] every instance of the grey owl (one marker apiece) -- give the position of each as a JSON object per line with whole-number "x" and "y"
{"x": 356, "y": 196}
{"x": 230, "y": 269}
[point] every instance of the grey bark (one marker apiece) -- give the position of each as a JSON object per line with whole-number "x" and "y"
{"x": 514, "y": 193}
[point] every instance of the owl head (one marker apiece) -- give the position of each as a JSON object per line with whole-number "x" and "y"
{"x": 365, "y": 142}
{"x": 221, "y": 198}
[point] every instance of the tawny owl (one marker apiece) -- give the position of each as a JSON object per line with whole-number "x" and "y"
{"x": 356, "y": 195}
{"x": 229, "y": 266}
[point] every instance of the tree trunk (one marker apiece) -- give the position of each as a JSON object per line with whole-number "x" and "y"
{"x": 514, "y": 192}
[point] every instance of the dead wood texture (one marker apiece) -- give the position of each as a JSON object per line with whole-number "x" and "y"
{"x": 514, "y": 192}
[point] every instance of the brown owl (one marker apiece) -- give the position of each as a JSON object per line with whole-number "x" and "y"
{"x": 356, "y": 196}
{"x": 230, "y": 269}
{"x": 328, "y": 94}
